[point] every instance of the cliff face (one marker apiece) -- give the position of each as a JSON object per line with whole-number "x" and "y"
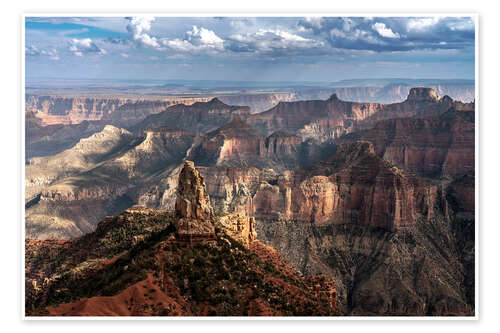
{"x": 434, "y": 146}
{"x": 238, "y": 144}
{"x": 383, "y": 273}
{"x": 352, "y": 186}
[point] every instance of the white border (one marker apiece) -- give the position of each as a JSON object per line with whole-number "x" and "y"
{"x": 266, "y": 13}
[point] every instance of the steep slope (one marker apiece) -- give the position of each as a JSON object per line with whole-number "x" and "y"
{"x": 140, "y": 264}
{"x": 42, "y": 171}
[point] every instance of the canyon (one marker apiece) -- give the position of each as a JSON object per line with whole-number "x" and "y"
{"x": 376, "y": 197}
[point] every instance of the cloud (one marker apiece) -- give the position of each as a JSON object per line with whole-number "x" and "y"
{"x": 389, "y": 34}
{"x": 79, "y": 47}
{"x": 138, "y": 27}
{"x": 422, "y": 23}
{"x": 271, "y": 41}
{"x": 462, "y": 24}
{"x": 32, "y": 50}
{"x": 196, "y": 39}
{"x": 204, "y": 37}
{"x": 384, "y": 31}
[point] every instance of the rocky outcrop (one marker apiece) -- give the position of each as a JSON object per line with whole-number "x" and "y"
{"x": 233, "y": 143}
{"x": 237, "y": 144}
{"x": 239, "y": 227}
{"x": 195, "y": 217}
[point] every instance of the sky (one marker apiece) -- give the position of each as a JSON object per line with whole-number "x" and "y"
{"x": 295, "y": 49}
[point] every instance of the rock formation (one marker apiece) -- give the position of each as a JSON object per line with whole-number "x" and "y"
{"x": 239, "y": 227}
{"x": 195, "y": 217}
{"x": 434, "y": 146}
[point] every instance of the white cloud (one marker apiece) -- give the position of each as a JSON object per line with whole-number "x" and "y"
{"x": 422, "y": 23}
{"x": 204, "y": 37}
{"x": 384, "y": 31}
{"x": 196, "y": 39}
{"x": 348, "y": 24}
{"x": 79, "y": 47}
{"x": 32, "y": 50}
{"x": 124, "y": 55}
{"x": 462, "y": 25}
{"x": 314, "y": 21}
{"x": 138, "y": 28}
{"x": 355, "y": 35}
{"x": 267, "y": 40}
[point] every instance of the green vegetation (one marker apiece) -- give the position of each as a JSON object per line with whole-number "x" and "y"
{"x": 223, "y": 277}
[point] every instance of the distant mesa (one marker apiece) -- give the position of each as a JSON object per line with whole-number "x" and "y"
{"x": 421, "y": 94}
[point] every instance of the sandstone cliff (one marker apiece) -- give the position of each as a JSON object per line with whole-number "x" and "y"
{"x": 434, "y": 146}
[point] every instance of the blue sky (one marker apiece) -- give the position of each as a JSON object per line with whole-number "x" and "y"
{"x": 249, "y": 48}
